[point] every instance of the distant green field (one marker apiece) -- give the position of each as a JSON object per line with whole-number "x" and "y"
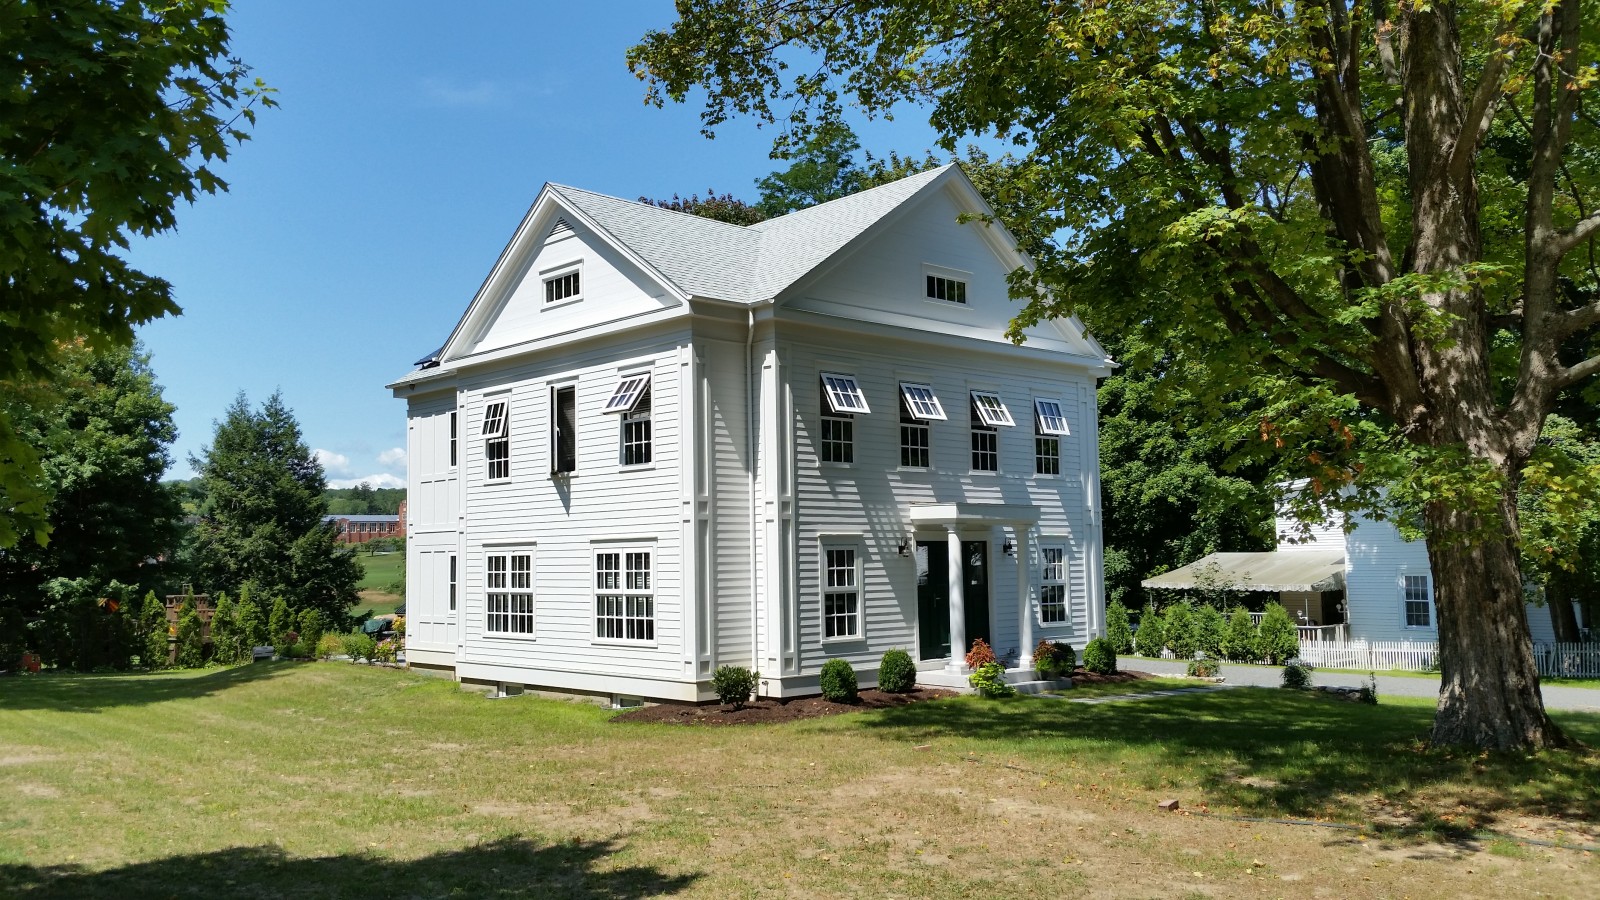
{"x": 382, "y": 570}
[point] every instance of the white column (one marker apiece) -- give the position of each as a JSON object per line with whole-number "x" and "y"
{"x": 1024, "y": 604}
{"x": 958, "y": 606}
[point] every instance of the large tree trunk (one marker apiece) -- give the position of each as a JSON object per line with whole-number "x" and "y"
{"x": 1489, "y": 690}
{"x": 1563, "y": 619}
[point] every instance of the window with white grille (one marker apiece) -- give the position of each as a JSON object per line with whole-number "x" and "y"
{"x": 921, "y": 402}
{"x": 915, "y": 436}
{"x": 985, "y": 445}
{"x": 508, "y": 593}
{"x": 1418, "y": 591}
{"x": 632, "y": 400}
{"x": 624, "y": 596}
{"x": 1049, "y": 417}
{"x": 497, "y": 439}
{"x": 941, "y": 288}
{"x": 564, "y": 286}
{"x": 841, "y": 400}
{"x": 1053, "y": 585}
{"x": 841, "y": 595}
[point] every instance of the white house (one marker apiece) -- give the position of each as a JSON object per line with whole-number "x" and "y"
{"x": 656, "y": 444}
{"x": 1365, "y": 584}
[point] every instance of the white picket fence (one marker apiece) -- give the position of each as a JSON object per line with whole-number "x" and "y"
{"x": 1553, "y": 660}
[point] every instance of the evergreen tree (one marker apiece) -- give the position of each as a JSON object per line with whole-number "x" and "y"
{"x": 1177, "y": 626}
{"x": 1118, "y": 631}
{"x": 102, "y": 439}
{"x": 191, "y": 646}
{"x": 252, "y": 620}
{"x": 282, "y": 621}
{"x": 154, "y": 631}
{"x": 1208, "y": 628}
{"x": 312, "y": 626}
{"x": 1149, "y": 639}
{"x": 1239, "y": 640}
{"x": 1278, "y": 638}
{"x": 261, "y": 522}
{"x": 227, "y": 641}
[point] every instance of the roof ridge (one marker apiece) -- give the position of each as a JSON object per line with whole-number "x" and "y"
{"x": 651, "y": 206}
{"x": 897, "y": 183}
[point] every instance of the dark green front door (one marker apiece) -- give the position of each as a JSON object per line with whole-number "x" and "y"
{"x": 933, "y": 595}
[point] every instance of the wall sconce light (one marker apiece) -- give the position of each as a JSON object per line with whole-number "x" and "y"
{"x": 905, "y": 548}
{"x": 1009, "y": 549}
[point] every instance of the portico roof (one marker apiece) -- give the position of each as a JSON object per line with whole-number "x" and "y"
{"x": 1276, "y": 570}
{"x": 974, "y": 514}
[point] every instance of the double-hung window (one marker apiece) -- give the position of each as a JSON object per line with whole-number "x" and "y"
{"x": 631, "y": 400}
{"x": 452, "y": 582}
{"x": 1053, "y": 585}
{"x": 842, "y": 399}
{"x": 563, "y": 429}
{"x": 988, "y": 414}
{"x": 452, "y": 439}
{"x": 624, "y": 598}
{"x": 497, "y": 439}
{"x": 508, "y": 593}
{"x": 841, "y": 594}
{"x": 1417, "y": 592}
{"x": 919, "y": 405}
{"x": 1049, "y": 425}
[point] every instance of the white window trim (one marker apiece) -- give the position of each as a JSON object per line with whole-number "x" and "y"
{"x": 854, "y": 543}
{"x": 548, "y": 275}
{"x": 1433, "y": 611}
{"x": 501, "y": 433}
{"x": 553, "y": 388}
{"x": 509, "y": 551}
{"x": 996, "y": 416}
{"x": 622, "y": 549}
{"x": 631, "y": 388}
{"x": 935, "y": 414}
{"x": 1042, "y": 418}
{"x": 1055, "y": 542}
{"x": 949, "y": 275}
{"x": 848, "y": 387}
{"x": 632, "y": 415}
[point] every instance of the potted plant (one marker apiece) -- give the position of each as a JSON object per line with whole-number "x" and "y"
{"x": 1047, "y": 660}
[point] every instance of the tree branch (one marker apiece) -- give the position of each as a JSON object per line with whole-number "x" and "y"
{"x": 1485, "y": 103}
{"x": 1574, "y": 374}
{"x": 1573, "y": 321}
{"x": 1567, "y": 238}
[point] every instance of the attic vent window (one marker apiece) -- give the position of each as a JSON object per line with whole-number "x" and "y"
{"x": 1051, "y": 420}
{"x": 941, "y": 288}
{"x": 563, "y": 287}
{"x": 562, "y": 226}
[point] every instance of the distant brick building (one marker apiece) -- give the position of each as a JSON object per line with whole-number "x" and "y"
{"x": 360, "y": 529}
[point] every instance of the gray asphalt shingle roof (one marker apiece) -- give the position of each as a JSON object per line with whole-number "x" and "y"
{"x": 706, "y": 258}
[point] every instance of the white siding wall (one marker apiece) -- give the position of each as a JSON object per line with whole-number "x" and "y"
{"x": 432, "y": 491}
{"x": 723, "y": 419}
{"x": 870, "y": 498}
{"x": 1376, "y": 560}
{"x": 563, "y": 519}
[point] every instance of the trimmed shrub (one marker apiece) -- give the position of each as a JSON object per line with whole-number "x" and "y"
{"x": 1208, "y": 627}
{"x": 1118, "y": 631}
{"x": 359, "y": 646}
{"x": 733, "y": 685}
{"x": 1099, "y": 657}
{"x": 1239, "y": 640}
{"x": 386, "y": 650}
{"x": 990, "y": 681}
{"x": 1297, "y": 675}
{"x": 1148, "y": 640}
{"x": 153, "y": 623}
{"x": 979, "y": 655}
{"x": 1177, "y": 626}
{"x": 191, "y": 649}
{"x": 1279, "y": 639}
{"x": 252, "y": 620}
{"x": 896, "y": 672}
{"x": 1066, "y": 657}
{"x": 838, "y": 681}
{"x": 1202, "y": 668}
{"x": 281, "y": 622}
{"x": 330, "y": 645}
{"x": 312, "y": 625}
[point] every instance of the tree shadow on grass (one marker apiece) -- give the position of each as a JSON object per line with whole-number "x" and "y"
{"x": 90, "y": 693}
{"x": 508, "y": 868}
{"x": 1280, "y": 753}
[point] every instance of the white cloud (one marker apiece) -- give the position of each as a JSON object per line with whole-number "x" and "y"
{"x": 380, "y": 480}
{"x": 332, "y": 463}
{"x": 392, "y": 457}
{"x": 444, "y": 93}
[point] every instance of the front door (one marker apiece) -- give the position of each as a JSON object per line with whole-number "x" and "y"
{"x": 933, "y": 595}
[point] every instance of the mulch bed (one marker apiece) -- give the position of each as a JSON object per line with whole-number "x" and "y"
{"x": 765, "y": 711}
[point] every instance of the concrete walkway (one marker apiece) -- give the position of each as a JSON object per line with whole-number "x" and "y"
{"x": 1555, "y": 696}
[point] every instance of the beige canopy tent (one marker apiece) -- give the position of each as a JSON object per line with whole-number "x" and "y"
{"x": 1276, "y": 570}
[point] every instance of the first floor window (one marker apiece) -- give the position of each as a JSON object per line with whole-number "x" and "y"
{"x": 1046, "y": 455}
{"x": 1418, "y": 600}
{"x": 841, "y": 598}
{"x": 1053, "y": 586}
{"x": 508, "y": 593}
{"x": 624, "y": 596}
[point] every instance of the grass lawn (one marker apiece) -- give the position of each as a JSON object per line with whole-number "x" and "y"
{"x": 382, "y": 569}
{"x": 333, "y": 780}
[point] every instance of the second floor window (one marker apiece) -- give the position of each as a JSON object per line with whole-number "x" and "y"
{"x": 841, "y": 400}
{"x": 632, "y": 401}
{"x": 563, "y": 429}
{"x": 1418, "y": 600}
{"x": 497, "y": 439}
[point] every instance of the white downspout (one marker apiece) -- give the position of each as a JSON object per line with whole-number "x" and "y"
{"x": 750, "y": 407}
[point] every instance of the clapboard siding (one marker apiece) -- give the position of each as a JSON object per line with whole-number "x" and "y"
{"x": 729, "y": 449}
{"x": 1376, "y": 558}
{"x": 433, "y": 503}
{"x": 563, "y": 520}
{"x": 871, "y": 497}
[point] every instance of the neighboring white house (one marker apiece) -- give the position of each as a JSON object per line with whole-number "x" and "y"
{"x": 656, "y": 444}
{"x": 1367, "y": 584}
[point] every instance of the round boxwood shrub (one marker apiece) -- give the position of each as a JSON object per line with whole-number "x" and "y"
{"x": 1297, "y": 675}
{"x": 733, "y": 684}
{"x": 896, "y": 672}
{"x": 1099, "y": 657}
{"x": 838, "y": 681}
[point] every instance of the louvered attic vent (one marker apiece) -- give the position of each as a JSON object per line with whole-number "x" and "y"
{"x": 562, "y": 226}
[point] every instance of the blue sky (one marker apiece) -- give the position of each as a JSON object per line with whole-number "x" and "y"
{"x": 367, "y": 209}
